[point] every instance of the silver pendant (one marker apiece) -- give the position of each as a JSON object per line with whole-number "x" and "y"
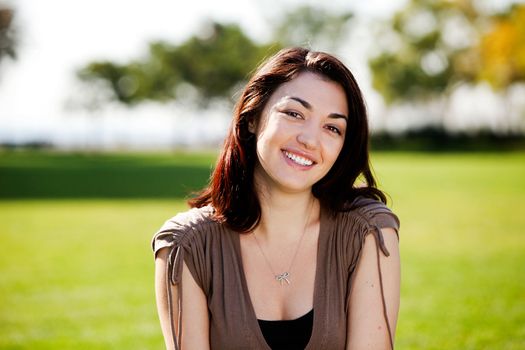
{"x": 283, "y": 277}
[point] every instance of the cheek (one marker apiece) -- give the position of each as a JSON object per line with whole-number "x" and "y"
{"x": 271, "y": 132}
{"x": 265, "y": 144}
{"x": 263, "y": 139}
{"x": 334, "y": 149}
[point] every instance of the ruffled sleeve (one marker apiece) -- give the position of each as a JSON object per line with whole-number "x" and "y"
{"x": 358, "y": 219}
{"x": 180, "y": 235}
{"x": 369, "y": 217}
{"x": 376, "y": 212}
{"x": 376, "y": 216}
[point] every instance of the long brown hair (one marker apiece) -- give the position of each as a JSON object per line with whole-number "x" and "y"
{"x": 231, "y": 188}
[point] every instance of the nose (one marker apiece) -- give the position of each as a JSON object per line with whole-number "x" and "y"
{"x": 308, "y": 136}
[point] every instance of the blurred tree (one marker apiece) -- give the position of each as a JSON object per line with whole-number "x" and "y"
{"x": 212, "y": 62}
{"x": 209, "y": 65}
{"x": 430, "y": 46}
{"x": 501, "y": 51}
{"x": 419, "y": 49}
{"x": 312, "y": 26}
{"x": 7, "y": 32}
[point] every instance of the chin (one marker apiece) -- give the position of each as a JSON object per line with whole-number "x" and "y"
{"x": 295, "y": 187}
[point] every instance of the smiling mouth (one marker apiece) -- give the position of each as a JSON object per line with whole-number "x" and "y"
{"x": 298, "y": 159}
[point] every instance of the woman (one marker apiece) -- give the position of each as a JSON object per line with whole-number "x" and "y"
{"x": 276, "y": 252}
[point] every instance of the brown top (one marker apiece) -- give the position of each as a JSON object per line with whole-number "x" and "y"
{"x": 212, "y": 253}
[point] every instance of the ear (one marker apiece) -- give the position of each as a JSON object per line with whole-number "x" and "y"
{"x": 251, "y": 126}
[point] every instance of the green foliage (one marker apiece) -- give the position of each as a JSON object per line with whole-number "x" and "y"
{"x": 7, "y": 32}
{"x": 500, "y": 55}
{"x": 214, "y": 62}
{"x": 438, "y": 139}
{"x": 421, "y": 65}
{"x": 433, "y": 45}
{"x": 217, "y": 63}
{"x": 210, "y": 64}
{"x": 312, "y": 26}
{"x": 78, "y": 274}
{"x": 398, "y": 77}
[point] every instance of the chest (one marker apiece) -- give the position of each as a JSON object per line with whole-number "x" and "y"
{"x": 280, "y": 283}
{"x": 243, "y": 289}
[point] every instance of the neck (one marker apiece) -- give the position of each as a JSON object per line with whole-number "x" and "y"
{"x": 285, "y": 216}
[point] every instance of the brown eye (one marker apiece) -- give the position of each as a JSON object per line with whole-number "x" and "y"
{"x": 293, "y": 114}
{"x": 334, "y": 129}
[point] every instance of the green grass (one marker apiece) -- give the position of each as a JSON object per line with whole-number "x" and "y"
{"x": 56, "y": 175}
{"x": 79, "y": 274}
{"x": 463, "y": 244}
{"x": 76, "y": 270}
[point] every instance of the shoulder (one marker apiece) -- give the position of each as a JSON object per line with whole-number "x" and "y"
{"x": 371, "y": 213}
{"x": 192, "y": 218}
{"x": 183, "y": 228}
{"x": 357, "y": 220}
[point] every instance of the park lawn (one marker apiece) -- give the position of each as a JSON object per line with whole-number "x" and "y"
{"x": 77, "y": 273}
{"x": 462, "y": 245}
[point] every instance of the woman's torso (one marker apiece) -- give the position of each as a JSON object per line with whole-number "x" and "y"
{"x": 213, "y": 253}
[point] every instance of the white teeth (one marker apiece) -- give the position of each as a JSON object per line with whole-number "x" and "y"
{"x": 299, "y": 160}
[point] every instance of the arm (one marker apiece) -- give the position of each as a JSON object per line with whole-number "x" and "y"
{"x": 366, "y": 322}
{"x": 195, "y": 322}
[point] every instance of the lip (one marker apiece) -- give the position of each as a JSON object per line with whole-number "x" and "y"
{"x": 300, "y": 154}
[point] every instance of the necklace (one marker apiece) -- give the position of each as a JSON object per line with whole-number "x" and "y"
{"x": 284, "y": 277}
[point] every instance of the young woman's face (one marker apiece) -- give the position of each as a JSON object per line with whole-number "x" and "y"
{"x": 300, "y": 133}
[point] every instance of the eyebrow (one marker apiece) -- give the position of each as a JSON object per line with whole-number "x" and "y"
{"x": 308, "y": 106}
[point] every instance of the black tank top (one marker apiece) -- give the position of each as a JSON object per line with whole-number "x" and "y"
{"x": 288, "y": 334}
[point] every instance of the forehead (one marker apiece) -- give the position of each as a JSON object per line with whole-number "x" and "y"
{"x": 320, "y": 92}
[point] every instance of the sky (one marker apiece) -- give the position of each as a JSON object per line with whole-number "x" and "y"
{"x": 59, "y": 36}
